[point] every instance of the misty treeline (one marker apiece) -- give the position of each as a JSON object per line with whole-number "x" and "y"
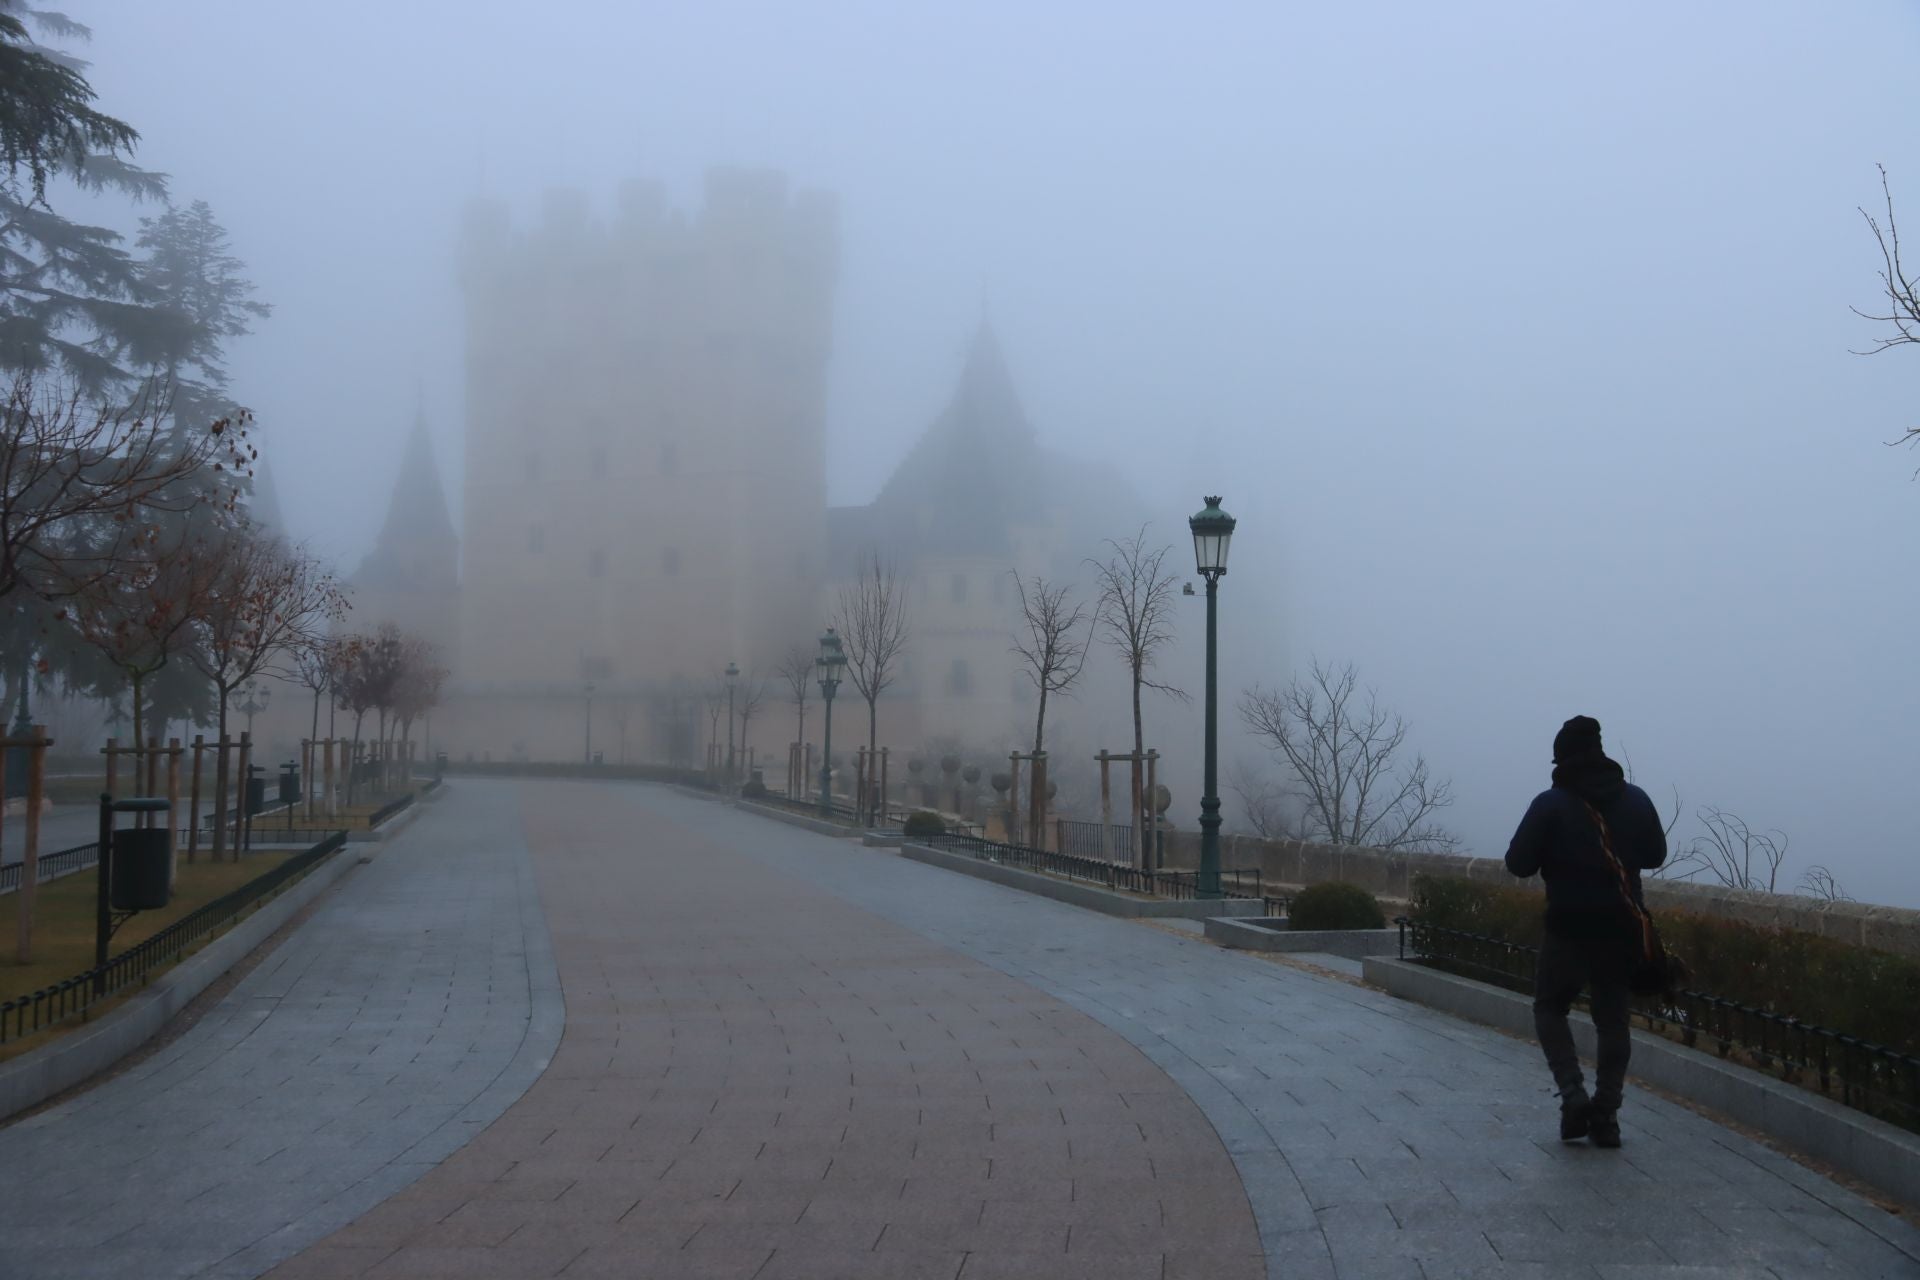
{"x": 132, "y": 571}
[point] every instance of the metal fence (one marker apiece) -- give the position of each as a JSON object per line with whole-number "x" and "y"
{"x": 1242, "y": 883}
{"x": 1873, "y": 1078}
{"x": 73, "y": 997}
{"x": 50, "y": 866}
{"x": 1112, "y": 842}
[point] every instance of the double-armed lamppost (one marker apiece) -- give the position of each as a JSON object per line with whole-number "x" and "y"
{"x": 1212, "y": 531}
{"x": 830, "y": 662}
{"x": 733, "y": 674}
{"x": 253, "y": 701}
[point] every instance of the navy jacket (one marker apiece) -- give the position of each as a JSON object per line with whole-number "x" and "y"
{"x": 1559, "y": 842}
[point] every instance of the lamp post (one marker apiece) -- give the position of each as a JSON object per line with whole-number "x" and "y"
{"x": 588, "y": 757}
{"x": 733, "y": 674}
{"x": 832, "y": 658}
{"x": 253, "y": 700}
{"x": 1212, "y": 531}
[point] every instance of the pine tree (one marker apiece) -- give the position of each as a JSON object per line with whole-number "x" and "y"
{"x": 71, "y": 299}
{"x": 190, "y": 272}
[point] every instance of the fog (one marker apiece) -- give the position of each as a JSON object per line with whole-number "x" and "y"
{"x": 1516, "y": 336}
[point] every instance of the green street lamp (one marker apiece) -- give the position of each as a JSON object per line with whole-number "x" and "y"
{"x": 831, "y": 662}
{"x": 1212, "y": 531}
{"x": 733, "y": 673}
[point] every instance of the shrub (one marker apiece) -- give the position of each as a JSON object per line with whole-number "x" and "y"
{"x": 754, "y": 790}
{"x": 1335, "y": 906}
{"x": 924, "y": 822}
{"x": 1865, "y": 993}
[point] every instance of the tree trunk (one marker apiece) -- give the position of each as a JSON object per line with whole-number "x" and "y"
{"x": 1040, "y": 725}
{"x": 1139, "y": 750}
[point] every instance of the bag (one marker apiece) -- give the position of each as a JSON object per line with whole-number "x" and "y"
{"x": 1658, "y": 972}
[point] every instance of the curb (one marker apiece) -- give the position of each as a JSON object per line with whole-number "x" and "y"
{"x": 1073, "y": 894}
{"x": 1871, "y": 1150}
{"x": 80, "y": 1055}
{"x": 1355, "y": 944}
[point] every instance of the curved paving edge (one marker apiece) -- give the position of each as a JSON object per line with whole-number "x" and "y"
{"x": 410, "y": 1010}
{"x": 1374, "y": 1137}
{"x": 761, "y": 1080}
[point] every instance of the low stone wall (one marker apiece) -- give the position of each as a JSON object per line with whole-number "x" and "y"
{"x": 1297, "y": 863}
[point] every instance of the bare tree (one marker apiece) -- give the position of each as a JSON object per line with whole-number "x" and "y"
{"x": 74, "y": 475}
{"x": 1134, "y": 603}
{"x": 748, "y": 699}
{"x": 144, "y": 612}
{"x": 266, "y": 602}
{"x": 1819, "y": 882}
{"x": 716, "y": 699}
{"x": 416, "y": 690}
{"x": 1900, "y": 292}
{"x": 1266, "y": 805}
{"x": 872, "y": 618}
{"x": 796, "y": 668}
{"x": 370, "y": 668}
{"x": 1346, "y": 754}
{"x": 1732, "y": 853}
{"x": 1049, "y": 643}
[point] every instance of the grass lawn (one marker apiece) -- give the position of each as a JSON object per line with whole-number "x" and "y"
{"x": 64, "y": 920}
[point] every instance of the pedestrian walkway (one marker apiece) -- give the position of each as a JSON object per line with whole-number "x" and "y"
{"x": 402, "y": 1018}
{"x": 788, "y": 1055}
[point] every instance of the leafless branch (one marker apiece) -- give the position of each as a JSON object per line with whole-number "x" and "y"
{"x": 1732, "y": 853}
{"x": 1819, "y": 882}
{"x": 1344, "y": 751}
{"x": 1900, "y": 293}
{"x": 797, "y": 670}
{"x": 1049, "y": 643}
{"x": 872, "y": 618}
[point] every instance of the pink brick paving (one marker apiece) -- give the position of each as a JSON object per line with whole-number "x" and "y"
{"x": 758, "y": 1080}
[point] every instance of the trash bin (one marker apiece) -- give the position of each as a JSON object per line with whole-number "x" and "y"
{"x": 599, "y": 757}
{"x": 141, "y": 868}
{"x": 289, "y": 783}
{"x": 256, "y": 794}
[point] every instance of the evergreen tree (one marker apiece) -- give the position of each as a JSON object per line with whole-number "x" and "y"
{"x": 71, "y": 299}
{"x": 190, "y": 272}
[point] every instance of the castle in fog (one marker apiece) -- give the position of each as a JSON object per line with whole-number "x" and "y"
{"x": 645, "y": 493}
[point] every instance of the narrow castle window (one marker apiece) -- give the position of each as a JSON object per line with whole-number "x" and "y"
{"x": 670, "y": 562}
{"x": 597, "y": 563}
{"x": 533, "y": 466}
{"x": 597, "y": 460}
{"x": 536, "y": 538}
{"x": 959, "y": 679}
{"x": 669, "y": 458}
{"x": 959, "y": 588}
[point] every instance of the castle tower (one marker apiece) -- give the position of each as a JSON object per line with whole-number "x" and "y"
{"x": 411, "y": 577}
{"x": 645, "y": 471}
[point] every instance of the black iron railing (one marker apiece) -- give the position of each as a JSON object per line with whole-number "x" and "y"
{"x": 1873, "y": 1078}
{"x": 1242, "y": 883}
{"x": 74, "y": 996}
{"x": 50, "y": 866}
{"x": 1110, "y": 841}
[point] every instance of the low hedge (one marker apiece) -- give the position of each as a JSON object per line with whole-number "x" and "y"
{"x": 922, "y": 823}
{"x": 1334, "y": 905}
{"x": 1862, "y": 992}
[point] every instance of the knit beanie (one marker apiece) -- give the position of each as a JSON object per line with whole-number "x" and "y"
{"x": 1578, "y": 737}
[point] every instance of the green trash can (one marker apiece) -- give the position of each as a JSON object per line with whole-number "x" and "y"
{"x": 142, "y": 868}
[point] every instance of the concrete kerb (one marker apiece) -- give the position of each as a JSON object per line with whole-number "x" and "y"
{"x": 79, "y": 1055}
{"x": 1260, "y": 934}
{"x": 819, "y": 826}
{"x": 1871, "y": 1150}
{"x": 1092, "y": 897}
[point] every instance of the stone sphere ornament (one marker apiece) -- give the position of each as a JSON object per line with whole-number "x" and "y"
{"x": 1001, "y": 782}
{"x": 950, "y": 765}
{"x": 915, "y": 765}
{"x": 971, "y": 774}
{"x": 1162, "y": 798}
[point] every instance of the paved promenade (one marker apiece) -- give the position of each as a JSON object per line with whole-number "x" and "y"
{"x": 401, "y": 1019}
{"x": 786, "y": 1055}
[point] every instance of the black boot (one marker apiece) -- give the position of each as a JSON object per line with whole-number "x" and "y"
{"x": 1575, "y": 1112}
{"x": 1604, "y": 1128}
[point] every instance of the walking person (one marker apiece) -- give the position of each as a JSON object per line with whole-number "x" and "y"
{"x": 1588, "y": 836}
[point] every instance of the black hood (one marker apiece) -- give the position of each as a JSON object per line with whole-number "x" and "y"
{"x": 1594, "y": 778}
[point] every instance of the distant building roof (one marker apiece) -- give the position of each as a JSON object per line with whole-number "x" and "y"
{"x": 417, "y": 547}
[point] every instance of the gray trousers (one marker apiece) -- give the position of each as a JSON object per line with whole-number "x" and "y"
{"x": 1600, "y": 966}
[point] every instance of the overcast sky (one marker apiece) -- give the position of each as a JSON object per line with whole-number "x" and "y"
{"x": 1515, "y": 334}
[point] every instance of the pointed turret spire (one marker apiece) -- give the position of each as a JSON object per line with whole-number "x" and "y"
{"x": 417, "y": 538}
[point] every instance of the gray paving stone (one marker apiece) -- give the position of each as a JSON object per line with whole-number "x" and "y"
{"x": 247, "y": 1139}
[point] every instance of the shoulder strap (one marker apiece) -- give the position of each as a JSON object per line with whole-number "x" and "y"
{"x": 1620, "y": 873}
